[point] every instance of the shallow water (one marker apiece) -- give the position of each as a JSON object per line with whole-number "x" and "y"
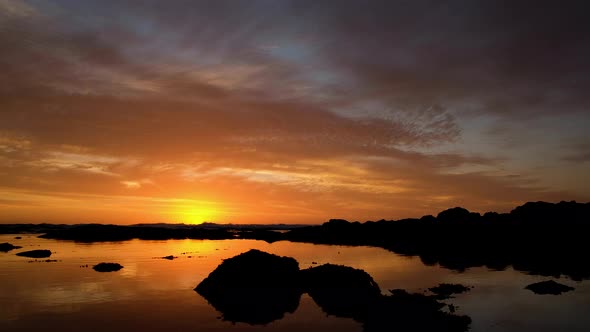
{"x": 154, "y": 294}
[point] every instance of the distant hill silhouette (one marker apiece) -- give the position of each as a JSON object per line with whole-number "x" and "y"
{"x": 97, "y": 232}
{"x": 538, "y": 237}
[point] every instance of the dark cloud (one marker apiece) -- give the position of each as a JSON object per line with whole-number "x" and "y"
{"x": 577, "y": 153}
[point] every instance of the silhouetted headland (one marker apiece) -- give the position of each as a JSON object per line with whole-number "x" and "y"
{"x": 549, "y": 287}
{"x": 39, "y": 253}
{"x": 107, "y": 267}
{"x": 257, "y": 288}
{"x": 538, "y": 237}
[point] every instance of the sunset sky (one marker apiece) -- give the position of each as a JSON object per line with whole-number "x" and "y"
{"x": 289, "y": 111}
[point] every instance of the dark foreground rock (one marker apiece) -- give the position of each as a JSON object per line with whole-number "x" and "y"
{"x": 340, "y": 290}
{"x": 343, "y": 291}
{"x": 256, "y": 288}
{"x": 39, "y": 253}
{"x": 107, "y": 267}
{"x": 548, "y": 287}
{"x": 444, "y": 291}
{"x": 6, "y": 247}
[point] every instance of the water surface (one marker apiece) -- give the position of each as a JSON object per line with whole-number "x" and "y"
{"x": 154, "y": 294}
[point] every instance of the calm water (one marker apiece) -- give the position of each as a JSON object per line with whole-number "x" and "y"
{"x": 151, "y": 294}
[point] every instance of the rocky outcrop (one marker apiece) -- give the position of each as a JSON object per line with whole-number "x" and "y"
{"x": 6, "y": 247}
{"x": 107, "y": 267}
{"x": 340, "y": 290}
{"x": 538, "y": 238}
{"x": 39, "y": 253}
{"x": 548, "y": 287}
{"x": 256, "y": 288}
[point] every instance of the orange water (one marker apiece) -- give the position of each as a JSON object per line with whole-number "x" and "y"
{"x": 154, "y": 294}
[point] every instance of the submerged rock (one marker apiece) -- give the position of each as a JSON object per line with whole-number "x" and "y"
{"x": 254, "y": 287}
{"x": 107, "y": 267}
{"x": 6, "y": 247}
{"x": 549, "y": 287}
{"x": 444, "y": 291}
{"x": 39, "y": 253}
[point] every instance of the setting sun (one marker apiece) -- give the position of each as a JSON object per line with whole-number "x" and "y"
{"x": 197, "y": 214}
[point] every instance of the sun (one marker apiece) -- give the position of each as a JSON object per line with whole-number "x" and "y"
{"x": 194, "y": 211}
{"x": 198, "y": 215}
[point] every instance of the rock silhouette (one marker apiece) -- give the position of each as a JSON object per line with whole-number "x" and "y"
{"x": 549, "y": 287}
{"x": 256, "y": 287}
{"x": 99, "y": 233}
{"x": 6, "y": 247}
{"x": 39, "y": 253}
{"x": 107, "y": 267}
{"x": 538, "y": 237}
{"x": 333, "y": 286}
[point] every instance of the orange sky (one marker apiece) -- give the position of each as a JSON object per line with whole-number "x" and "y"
{"x": 286, "y": 112}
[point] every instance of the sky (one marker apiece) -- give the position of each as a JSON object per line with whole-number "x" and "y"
{"x": 289, "y": 111}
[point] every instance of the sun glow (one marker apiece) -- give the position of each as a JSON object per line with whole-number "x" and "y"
{"x": 197, "y": 214}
